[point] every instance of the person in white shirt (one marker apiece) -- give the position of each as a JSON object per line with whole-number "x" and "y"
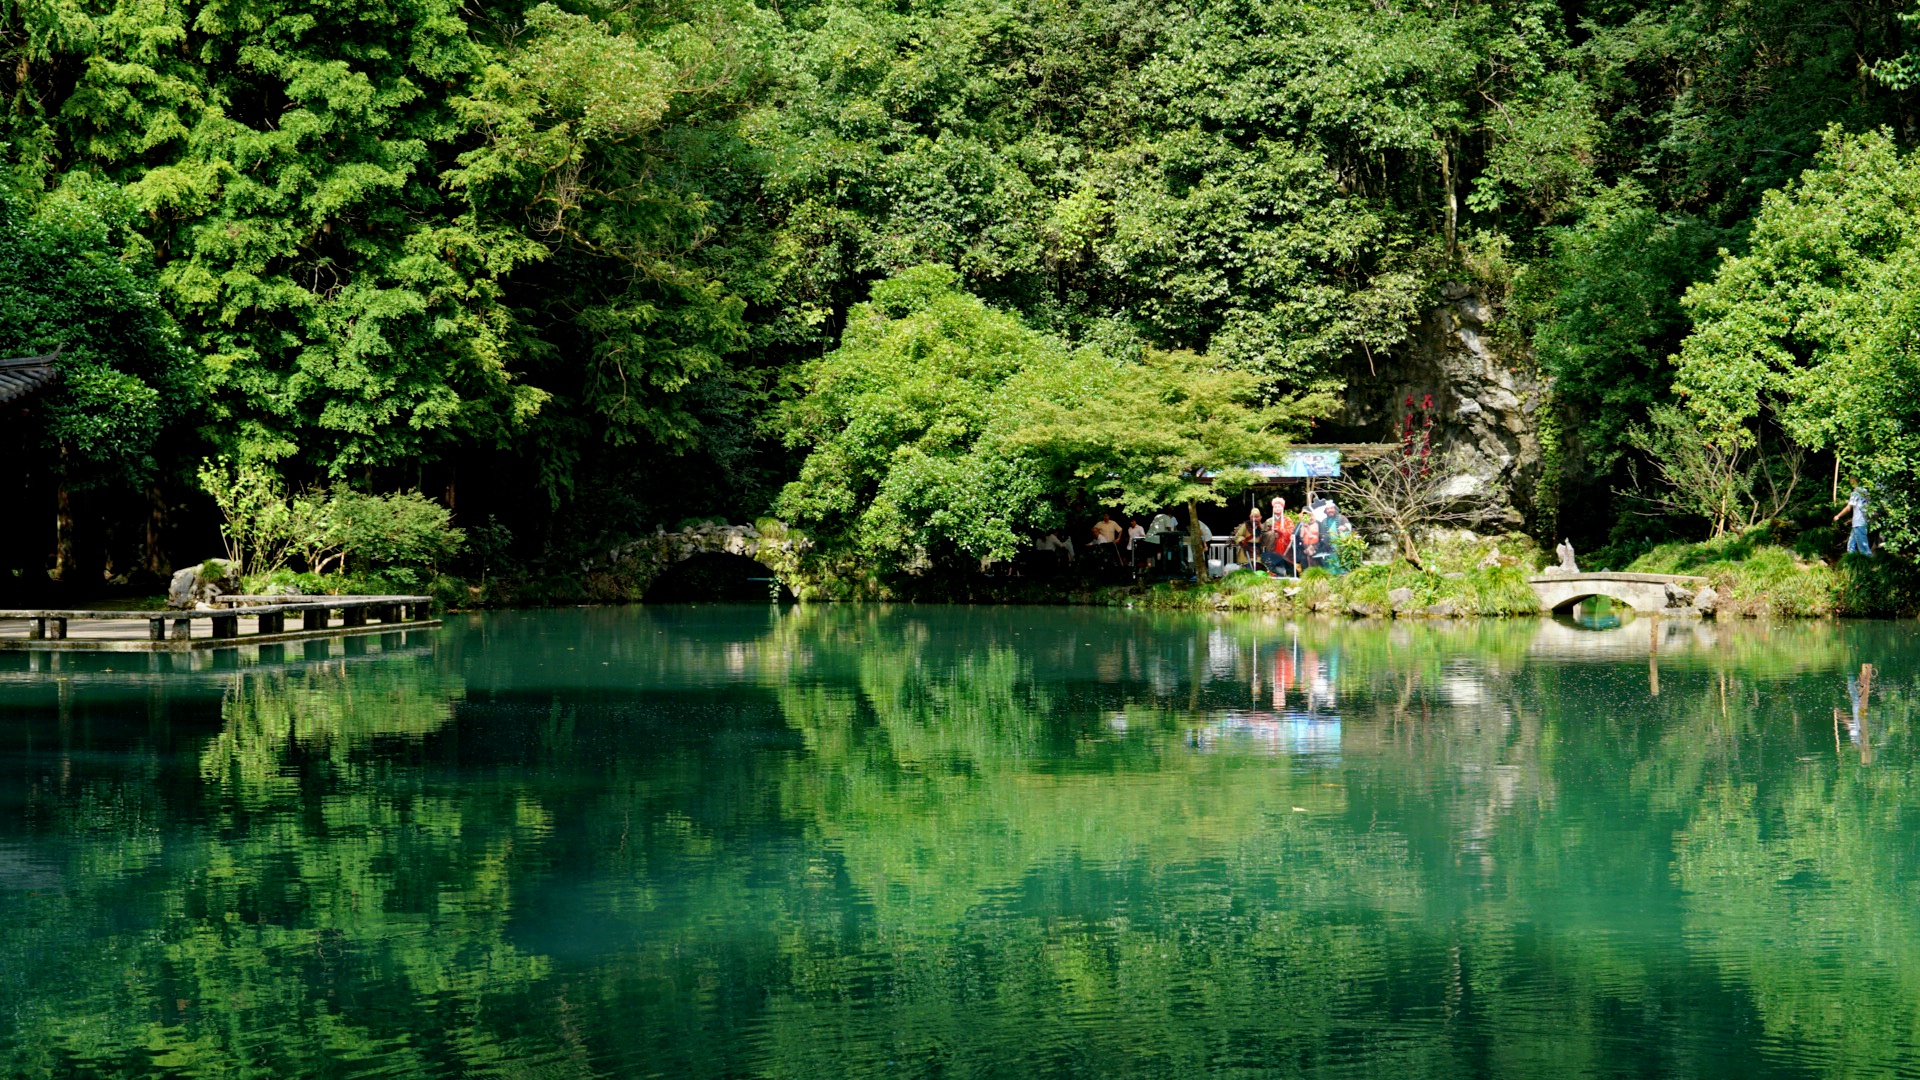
{"x": 1053, "y": 541}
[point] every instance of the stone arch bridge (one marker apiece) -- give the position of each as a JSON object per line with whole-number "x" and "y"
{"x": 628, "y": 571}
{"x": 1644, "y": 593}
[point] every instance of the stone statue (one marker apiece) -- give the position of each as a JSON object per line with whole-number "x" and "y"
{"x": 1568, "y": 566}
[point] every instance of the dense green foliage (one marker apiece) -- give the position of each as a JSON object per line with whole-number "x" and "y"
{"x": 940, "y": 423}
{"x": 1816, "y": 327}
{"x": 567, "y": 262}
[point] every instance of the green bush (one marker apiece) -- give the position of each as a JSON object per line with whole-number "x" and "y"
{"x": 404, "y": 536}
{"x": 1753, "y": 574}
{"x": 405, "y": 531}
{"x": 1877, "y": 585}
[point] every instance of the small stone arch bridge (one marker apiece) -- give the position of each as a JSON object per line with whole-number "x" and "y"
{"x": 626, "y": 572}
{"x": 1647, "y": 594}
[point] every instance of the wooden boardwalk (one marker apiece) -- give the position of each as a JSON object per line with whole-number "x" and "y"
{"x": 243, "y": 620}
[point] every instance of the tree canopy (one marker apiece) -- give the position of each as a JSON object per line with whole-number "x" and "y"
{"x": 508, "y": 250}
{"x": 940, "y": 420}
{"x": 1816, "y": 328}
{"x": 77, "y": 278}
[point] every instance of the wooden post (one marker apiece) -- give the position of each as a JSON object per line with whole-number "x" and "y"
{"x": 314, "y": 619}
{"x": 272, "y": 622}
{"x": 226, "y": 626}
{"x": 353, "y": 616}
{"x": 1653, "y": 655}
{"x": 182, "y": 630}
{"x": 156, "y": 629}
{"x": 57, "y": 629}
{"x": 37, "y": 630}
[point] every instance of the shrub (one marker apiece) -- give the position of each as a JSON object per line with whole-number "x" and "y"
{"x": 404, "y": 535}
{"x": 405, "y": 530}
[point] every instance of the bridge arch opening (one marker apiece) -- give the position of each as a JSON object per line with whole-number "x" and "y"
{"x": 716, "y": 577}
{"x": 1595, "y": 611}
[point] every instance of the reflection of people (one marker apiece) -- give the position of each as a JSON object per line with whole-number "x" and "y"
{"x": 1856, "y": 540}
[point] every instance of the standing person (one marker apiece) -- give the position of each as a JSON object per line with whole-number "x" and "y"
{"x": 1247, "y": 538}
{"x": 1106, "y": 540}
{"x": 1307, "y": 542}
{"x": 1319, "y": 544}
{"x": 1857, "y": 540}
{"x": 1135, "y": 534}
{"x": 1334, "y": 527}
{"x": 1279, "y": 553}
{"x": 1061, "y": 547}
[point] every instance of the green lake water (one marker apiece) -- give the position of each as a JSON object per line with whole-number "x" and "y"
{"x": 843, "y": 841}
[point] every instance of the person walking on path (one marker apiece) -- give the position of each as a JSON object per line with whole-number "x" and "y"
{"x": 1857, "y": 540}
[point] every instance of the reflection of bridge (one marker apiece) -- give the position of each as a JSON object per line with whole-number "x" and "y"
{"x": 1645, "y": 593}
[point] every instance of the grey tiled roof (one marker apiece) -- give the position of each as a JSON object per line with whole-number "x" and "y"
{"x": 23, "y": 375}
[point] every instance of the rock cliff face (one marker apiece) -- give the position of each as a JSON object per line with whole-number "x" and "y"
{"x": 1486, "y": 406}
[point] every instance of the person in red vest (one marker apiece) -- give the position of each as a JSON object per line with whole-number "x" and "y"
{"x": 1279, "y": 549}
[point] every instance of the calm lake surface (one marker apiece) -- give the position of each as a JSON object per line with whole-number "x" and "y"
{"x": 954, "y": 842}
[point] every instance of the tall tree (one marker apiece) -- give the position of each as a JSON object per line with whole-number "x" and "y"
{"x": 76, "y": 276}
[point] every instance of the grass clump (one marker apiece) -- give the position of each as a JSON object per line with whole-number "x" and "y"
{"x": 1368, "y": 590}
{"x": 1752, "y": 575}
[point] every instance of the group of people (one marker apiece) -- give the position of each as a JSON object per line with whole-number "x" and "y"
{"x": 1281, "y": 544}
{"x": 1127, "y": 544}
{"x": 1287, "y": 544}
{"x": 1123, "y": 543}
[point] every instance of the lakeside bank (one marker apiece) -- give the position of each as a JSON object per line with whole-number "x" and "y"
{"x": 1465, "y": 576}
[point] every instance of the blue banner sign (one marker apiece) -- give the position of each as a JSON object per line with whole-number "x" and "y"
{"x": 1300, "y": 465}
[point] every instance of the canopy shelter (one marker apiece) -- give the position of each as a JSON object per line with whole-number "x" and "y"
{"x": 23, "y": 375}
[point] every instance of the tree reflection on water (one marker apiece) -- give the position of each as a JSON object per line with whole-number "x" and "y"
{"x": 852, "y": 841}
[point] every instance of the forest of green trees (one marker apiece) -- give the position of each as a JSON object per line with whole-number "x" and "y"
{"x": 577, "y": 270}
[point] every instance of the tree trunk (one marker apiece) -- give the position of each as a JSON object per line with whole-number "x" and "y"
{"x": 1453, "y": 204}
{"x": 156, "y": 560}
{"x": 63, "y": 558}
{"x": 1196, "y": 544}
